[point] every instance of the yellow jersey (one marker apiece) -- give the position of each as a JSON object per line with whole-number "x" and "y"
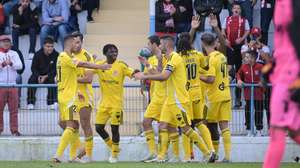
{"x": 66, "y": 78}
{"x": 111, "y": 84}
{"x": 157, "y": 88}
{"x": 219, "y": 90}
{"x": 194, "y": 62}
{"x": 86, "y": 89}
{"x": 176, "y": 84}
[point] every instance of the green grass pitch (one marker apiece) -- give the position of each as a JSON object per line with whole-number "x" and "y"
{"x": 44, "y": 164}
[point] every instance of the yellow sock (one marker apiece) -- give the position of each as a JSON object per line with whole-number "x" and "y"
{"x": 216, "y": 146}
{"x": 108, "y": 142}
{"x": 174, "y": 138}
{"x": 205, "y": 134}
{"x": 164, "y": 138}
{"x": 227, "y": 142}
{"x": 65, "y": 140}
{"x": 89, "y": 144}
{"x": 115, "y": 150}
{"x": 198, "y": 141}
{"x": 186, "y": 143}
{"x": 75, "y": 145}
{"x": 150, "y": 139}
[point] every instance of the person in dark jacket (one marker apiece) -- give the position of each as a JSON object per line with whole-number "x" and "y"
{"x": 76, "y": 7}
{"x": 204, "y": 9}
{"x": 25, "y": 21}
{"x": 184, "y": 14}
{"x": 165, "y": 11}
{"x": 43, "y": 72}
{"x": 250, "y": 73}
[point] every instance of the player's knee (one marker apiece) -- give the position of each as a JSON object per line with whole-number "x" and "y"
{"x": 163, "y": 126}
{"x": 213, "y": 129}
{"x": 223, "y": 125}
{"x": 147, "y": 123}
{"x": 101, "y": 131}
{"x": 115, "y": 133}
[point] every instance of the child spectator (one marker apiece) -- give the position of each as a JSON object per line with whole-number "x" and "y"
{"x": 250, "y": 73}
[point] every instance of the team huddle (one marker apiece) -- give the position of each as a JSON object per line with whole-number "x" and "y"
{"x": 190, "y": 95}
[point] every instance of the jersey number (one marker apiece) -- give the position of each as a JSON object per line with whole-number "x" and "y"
{"x": 224, "y": 70}
{"x": 191, "y": 70}
{"x": 59, "y": 74}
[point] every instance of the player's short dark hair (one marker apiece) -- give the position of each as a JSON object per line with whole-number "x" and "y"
{"x": 236, "y": 4}
{"x": 49, "y": 40}
{"x": 253, "y": 54}
{"x": 168, "y": 37}
{"x": 107, "y": 47}
{"x": 208, "y": 39}
{"x": 77, "y": 34}
{"x": 154, "y": 39}
{"x": 68, "y": 37}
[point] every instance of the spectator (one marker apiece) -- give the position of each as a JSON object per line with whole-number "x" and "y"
{"x": 247, "y": 9}
{"x": 91, "y": 6}
{"x": 25, "y": 20}
{"x": 38, "y": 4}
{"x": 164, "y": 17}
{"x": 204, "y": 8}
{"x": 184, "y": 14}
{"x": 43, "y": 72}
{"x": 264, "y": 54}
{"x": 236, "y": 29}
{"x": 266, "y": 15}
{"x": 2, "y": 19}
{"x": 8, "y": 6}
{"x": 9, "y": 64}
{"x": 250, "y": 73}
{"x": 55, "y": 16}
{"x": 76, "y": 7}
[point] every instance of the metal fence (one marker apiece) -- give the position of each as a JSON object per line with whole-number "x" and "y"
{"x": 42, "y": 120}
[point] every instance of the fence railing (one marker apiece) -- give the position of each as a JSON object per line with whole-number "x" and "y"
{"x": 43, "y": 119}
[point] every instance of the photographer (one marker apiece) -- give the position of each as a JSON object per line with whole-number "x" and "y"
{"x": 204, "y": 8}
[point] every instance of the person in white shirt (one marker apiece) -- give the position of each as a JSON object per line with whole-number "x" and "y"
{"x": 9, "y": 64}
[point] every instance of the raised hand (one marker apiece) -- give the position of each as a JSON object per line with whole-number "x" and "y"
{"x": 195, "y": 22}
{"x": 213, "y": 21}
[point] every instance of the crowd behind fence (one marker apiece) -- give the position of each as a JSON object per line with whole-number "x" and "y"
{"x": 43, "y": 121}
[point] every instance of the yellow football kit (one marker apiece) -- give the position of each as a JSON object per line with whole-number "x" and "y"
{"x": 176, "y": 108}
{"x": 67, "y": 87}
{"x": 194, "y": 62}
{"x": 218, "y": 93}
{"x": 158, "y": 93}
{"x": 85, "y": 89}
{"x": 111, "y": 87}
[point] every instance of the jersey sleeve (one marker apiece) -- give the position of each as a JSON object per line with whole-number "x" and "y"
{"x": 212, "y": 67}
{"x": 68, "y": 61}
{"x": 128, "y": 71}
{"x": 172, "y": 64}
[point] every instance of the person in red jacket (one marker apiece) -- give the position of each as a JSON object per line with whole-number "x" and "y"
{"x": 249, "y": 73}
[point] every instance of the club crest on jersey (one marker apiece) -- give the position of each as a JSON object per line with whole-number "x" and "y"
{"x": 115, "y": 73}
{"x": 179, "y": 117}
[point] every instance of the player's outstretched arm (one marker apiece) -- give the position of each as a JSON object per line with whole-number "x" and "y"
{"x": 87, "y": 78}
{"x": 93, "y": 66}
{"x": 157, "y": 77}
{"x": 207, "y": 79}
